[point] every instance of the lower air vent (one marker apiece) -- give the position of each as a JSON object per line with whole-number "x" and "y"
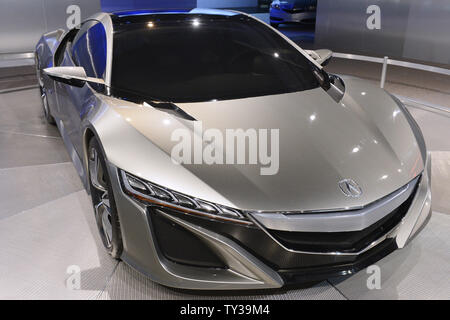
{"x": 181, "y": 246}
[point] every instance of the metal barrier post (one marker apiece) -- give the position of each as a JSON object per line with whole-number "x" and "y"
{"x": 383, "y": 72}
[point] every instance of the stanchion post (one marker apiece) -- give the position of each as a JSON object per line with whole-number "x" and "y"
{"x": 383, "y": 72}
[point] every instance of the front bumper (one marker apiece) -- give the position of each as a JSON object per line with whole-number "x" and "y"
{"x": 281, "y": 16}
{"x": 252, "y": 258}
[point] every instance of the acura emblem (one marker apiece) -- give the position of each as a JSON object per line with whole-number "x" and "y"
{"x": 350, "y": 188}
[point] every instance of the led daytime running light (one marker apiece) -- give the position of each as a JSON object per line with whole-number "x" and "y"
{"x": 157, "y": 195}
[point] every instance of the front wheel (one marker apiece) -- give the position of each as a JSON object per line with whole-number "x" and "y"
{"x": 103, "y": 201}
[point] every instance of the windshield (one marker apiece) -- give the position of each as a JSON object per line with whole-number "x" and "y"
{"x": 186, "y": 58}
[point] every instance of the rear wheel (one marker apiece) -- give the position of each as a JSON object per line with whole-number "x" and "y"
{"x": 48, "y": 117}
{"x": 103, "y": 201}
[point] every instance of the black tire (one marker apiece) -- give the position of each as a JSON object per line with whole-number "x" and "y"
{"x": 275, "y": 25}
{"x": 112, "y": 243}
{"x": 46, "y": 110}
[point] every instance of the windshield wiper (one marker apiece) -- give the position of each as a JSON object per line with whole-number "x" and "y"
{"x": 171, "y": 108}
{"x": 156, "y": 103}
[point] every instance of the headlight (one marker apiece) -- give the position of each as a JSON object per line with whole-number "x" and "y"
{"x": 275, "y": 4}
{"x": 156, "y": 195}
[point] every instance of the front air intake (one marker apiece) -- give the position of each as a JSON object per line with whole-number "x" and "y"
{"x": 180, "y": 245}
{"x": 348, "y": 242}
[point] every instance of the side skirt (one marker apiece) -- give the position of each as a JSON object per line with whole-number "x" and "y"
{"x": 78, "y": 164}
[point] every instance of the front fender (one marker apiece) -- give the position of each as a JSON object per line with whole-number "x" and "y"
{"x": 127, "y": 148}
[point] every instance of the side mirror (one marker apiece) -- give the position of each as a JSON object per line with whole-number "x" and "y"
{"x": 337, "y": 87}
{"x": 322, "y": 56}
{"x": 73, "y": 76}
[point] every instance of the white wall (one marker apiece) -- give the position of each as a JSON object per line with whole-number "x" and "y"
{"x": 414, "y": 29}
{"x": 22, "y": 22}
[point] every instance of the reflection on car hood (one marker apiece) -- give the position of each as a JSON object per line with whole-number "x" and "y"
{"x": 365, "y": 137}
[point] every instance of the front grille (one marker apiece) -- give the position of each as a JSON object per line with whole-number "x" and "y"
{"x": 276, "y": 18}
{"x": 326, "y": 271}
{"x": 298, "y": 10}
{"x": 295, "y": 10}
{"x": 309, "y": 21}
{"x": 346, "y": 242}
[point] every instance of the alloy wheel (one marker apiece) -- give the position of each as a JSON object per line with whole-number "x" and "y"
{"x": 100, "y": 197}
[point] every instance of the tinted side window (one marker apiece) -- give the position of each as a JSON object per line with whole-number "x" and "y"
{"x": 89, "y": 50}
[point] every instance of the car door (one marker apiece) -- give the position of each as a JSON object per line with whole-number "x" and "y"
{"x": 51, "y": 86}
{"x": 87, "y": 50}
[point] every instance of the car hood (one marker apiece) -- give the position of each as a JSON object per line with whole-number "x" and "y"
{"x": 364, "y": 137}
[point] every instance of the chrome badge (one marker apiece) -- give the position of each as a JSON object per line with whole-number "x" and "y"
{"x": 350, "y": 188}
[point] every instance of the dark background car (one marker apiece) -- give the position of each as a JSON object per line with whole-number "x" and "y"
{"x": 293, "y": 11}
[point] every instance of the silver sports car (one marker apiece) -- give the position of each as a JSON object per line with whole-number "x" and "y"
{"x": 220, "y": 155}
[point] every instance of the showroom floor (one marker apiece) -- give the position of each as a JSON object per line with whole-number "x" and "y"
{"x": 47, "y": 226}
